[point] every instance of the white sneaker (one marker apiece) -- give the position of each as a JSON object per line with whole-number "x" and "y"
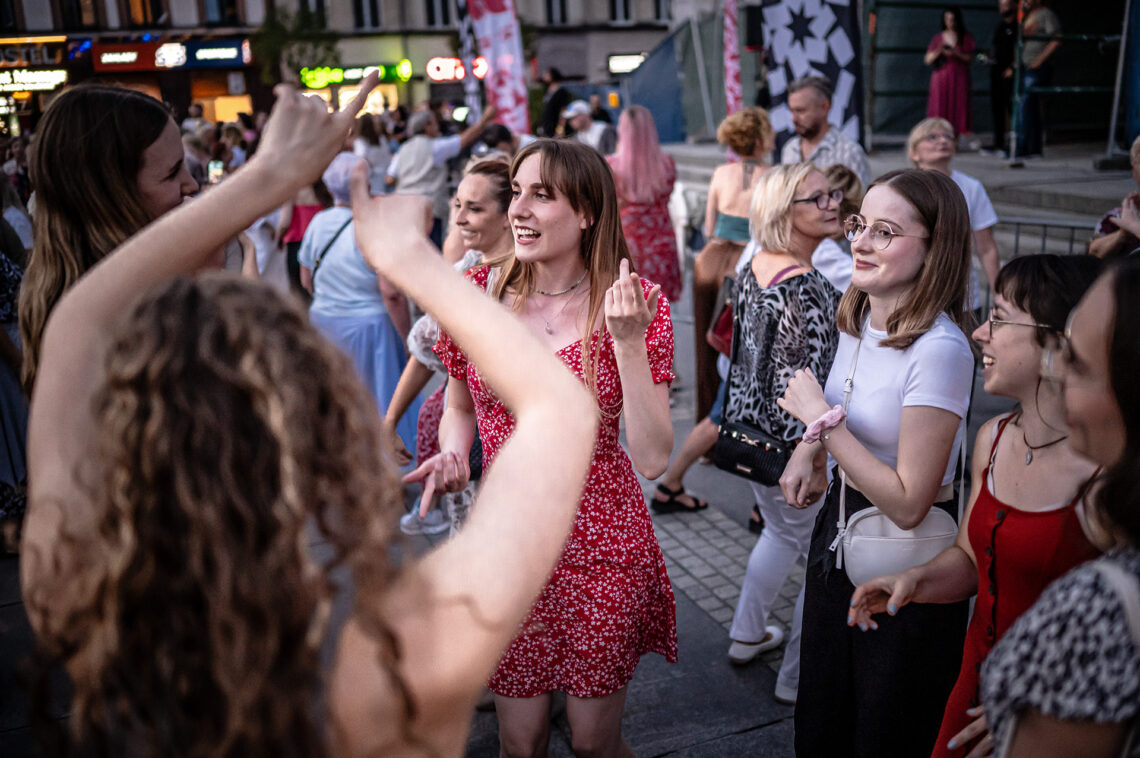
{"x": 434, "y": 523}
{"x": 785, "y": 694}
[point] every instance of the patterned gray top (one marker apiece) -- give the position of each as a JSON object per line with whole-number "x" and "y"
{"x": 1070, "y": 657}
{"x": 783, "y": 328}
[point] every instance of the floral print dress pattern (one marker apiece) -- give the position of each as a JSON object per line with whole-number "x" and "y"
{"x": 652, "y": 242}
{"x": 609, "y": 600}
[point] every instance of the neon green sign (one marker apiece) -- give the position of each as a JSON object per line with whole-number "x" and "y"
{"x": 324, "y": 76}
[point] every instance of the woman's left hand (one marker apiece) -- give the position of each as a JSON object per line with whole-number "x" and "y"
{"x": 628, "y": 310}
{"x": 804, "y": 397}
{"x": 979, "y": 726}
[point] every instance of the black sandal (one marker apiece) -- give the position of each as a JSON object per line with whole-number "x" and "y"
{"x": 756, "y": 525}
{"x": 673, "y": 504}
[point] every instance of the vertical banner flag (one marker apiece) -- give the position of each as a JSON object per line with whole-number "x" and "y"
{"x": 820, "y": 38}
{"x": 467, "y": 55}
{"x": 500, "y": 42}
{"x": 733, "y": 97}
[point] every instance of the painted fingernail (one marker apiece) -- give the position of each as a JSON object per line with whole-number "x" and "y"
{"x": 852, "y": 602}
{"x": 951, "y": 744}
{"x": 863, "y": 627}
{"x": 892, "y": 609}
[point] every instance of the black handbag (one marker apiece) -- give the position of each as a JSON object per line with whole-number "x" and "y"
{"x": 744, "y": 449}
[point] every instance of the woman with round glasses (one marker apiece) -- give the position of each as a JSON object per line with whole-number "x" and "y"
{"x": 931, "y": 145}
{"x": 785, "y": 314}
{"x": 1022, "y": 522}
{"x": 1065, "y": 679}
{"x": 903, "y": 346}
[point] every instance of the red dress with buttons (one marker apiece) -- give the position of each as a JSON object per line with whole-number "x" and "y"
{"x": 1019, "y": 554}
{"x": 609, "y": 599}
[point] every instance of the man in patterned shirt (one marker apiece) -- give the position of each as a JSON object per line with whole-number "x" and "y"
{"x": 809, "y": 100}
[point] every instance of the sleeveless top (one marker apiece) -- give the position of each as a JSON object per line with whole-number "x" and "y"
{"x": 732, "y": 228}
{"x": 299, "y": 222}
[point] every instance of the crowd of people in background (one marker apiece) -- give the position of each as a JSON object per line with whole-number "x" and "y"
{"x": 210, "y": 478}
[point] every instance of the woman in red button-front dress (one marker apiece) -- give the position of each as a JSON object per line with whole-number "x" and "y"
{"x": 608, "y": 600}
{"x": 1024, "y": 521}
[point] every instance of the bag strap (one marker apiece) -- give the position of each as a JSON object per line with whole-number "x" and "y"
{"x": 1127, "y": 590}
{"x": 848, "y": 388}
{"x": 321, "y": 255}
{"x": 776, "y": 279}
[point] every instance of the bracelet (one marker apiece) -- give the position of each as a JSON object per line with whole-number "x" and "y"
{"x": 825, "y": 423}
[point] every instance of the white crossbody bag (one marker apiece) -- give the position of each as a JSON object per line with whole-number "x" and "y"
{"x": 872, "y": 545}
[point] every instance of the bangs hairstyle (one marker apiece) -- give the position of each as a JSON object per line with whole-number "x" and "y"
{"x": 1047, "y": 287}
{"x": 577, "y": 172}
{"x": 924, "y": 129}
{"x": 744, "y": 130}
{"x": 641, "y": 170}
{"x": 770, "y": 213}
{"x": 1119, "y": 493}
{"x": 941, "y": 283}
{"x": 84, "y": 165}
{"x": 231, "y": 438}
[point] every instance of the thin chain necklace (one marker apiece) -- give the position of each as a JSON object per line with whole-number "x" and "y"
{"x": 549, "y": 328}
{"x": 1030, "y": 448}
{"x": 563, "y": 292}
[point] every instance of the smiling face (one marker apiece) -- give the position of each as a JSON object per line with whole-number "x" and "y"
{"x": 476, "y": 213}
{"x": 546, "y": 227}
{"x": 1011, "y": 356}
{"x": 164, "y": 179}
{"x": 807, "y": 218}
{"x": 892, "y": 272}
{"x": 1096, "y": 426}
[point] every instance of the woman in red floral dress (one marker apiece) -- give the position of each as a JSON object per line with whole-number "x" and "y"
{"x": 645, "y": 177}
{"x": 608, "y": 600}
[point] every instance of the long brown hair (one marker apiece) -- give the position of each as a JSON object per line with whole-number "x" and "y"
{"x": 580, "y": 174}
{"x": 84, "y": 165}
{"x": 232, "y": 438}
{"x": 941, "y": 283}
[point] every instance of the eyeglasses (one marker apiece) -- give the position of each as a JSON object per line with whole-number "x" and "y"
{"x": 935, "y": 136}
{"x": 820, "y": 198}
{"x": 881, "y": 232}
{"x": 999, "y": 322}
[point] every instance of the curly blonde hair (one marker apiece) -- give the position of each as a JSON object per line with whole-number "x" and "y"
{"x": 742, "y": 131}
{"x": 232, "y": 438}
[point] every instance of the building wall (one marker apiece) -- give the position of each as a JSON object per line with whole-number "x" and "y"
{"x": 37, "y": 16}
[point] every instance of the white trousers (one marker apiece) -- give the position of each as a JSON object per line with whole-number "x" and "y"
{"x": 786, "y": 535}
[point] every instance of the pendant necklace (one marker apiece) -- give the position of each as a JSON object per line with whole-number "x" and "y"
{"x": 1030, "y": 448}
{"x": 550, "y": 329}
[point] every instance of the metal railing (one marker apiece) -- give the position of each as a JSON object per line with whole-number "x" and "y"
{"x": 1073, "y": 235}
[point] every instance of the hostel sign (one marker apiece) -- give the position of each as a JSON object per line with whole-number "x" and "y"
{"x": 33, "y": 54}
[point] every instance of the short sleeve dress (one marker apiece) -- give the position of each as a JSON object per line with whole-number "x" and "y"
{"x": 608, "y": 601}
{"x": 949, "y": 96}
{"x": 1070, "y": 657}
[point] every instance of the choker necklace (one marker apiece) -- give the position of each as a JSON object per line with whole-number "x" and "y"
{"x": 563, "y": 292}
{"x": 1031, "y": 448}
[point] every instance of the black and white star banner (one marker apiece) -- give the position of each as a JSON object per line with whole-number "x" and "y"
{"x": 816, "y": 37}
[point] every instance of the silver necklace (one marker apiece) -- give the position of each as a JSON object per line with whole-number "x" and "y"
{"x": 563, "y": 292}
{"x": 1030, "y": 448}
{"x": 550, "y": 329}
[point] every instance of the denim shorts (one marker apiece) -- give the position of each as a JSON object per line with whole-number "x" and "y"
{"x": 716, "y": 415}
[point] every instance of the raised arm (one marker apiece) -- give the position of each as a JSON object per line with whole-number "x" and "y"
{"x": 300, "y": 139}
{"x": 454, "y": 612}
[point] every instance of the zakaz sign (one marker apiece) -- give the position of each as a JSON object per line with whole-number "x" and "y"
{"x": 152, "y": 56}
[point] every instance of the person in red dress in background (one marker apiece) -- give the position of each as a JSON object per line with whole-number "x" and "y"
{"x": 609, "y": 600}
{"x": 950, "y": 53}
{"x": 645, "y": 176}
{"x": 1024, "y": 522}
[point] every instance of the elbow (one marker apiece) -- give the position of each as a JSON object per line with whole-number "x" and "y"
{"x": 910, "y": 518}
{"x": 653, "y": 470}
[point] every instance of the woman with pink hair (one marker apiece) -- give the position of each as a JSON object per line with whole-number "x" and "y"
{"x": 645, "y": 176}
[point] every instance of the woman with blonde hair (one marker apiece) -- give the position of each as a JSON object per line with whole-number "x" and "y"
{"x": 609, "y": 600}
{"x": 106, "y": 162}
{"x": 645, "y": 175}
{"x": 909, "y": 368}
{"x": 748, "y": 133}
{"x": 184, "y": 470}
{"x": 785, "y": 313}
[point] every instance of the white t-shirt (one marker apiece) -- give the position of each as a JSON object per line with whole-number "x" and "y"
{"x": 21, "y": 224}
{"x": 344, "y": 285}
{"x": 982, "y": 216}
{"x": 830, "y": 260}
{"x": 936, "y": 371}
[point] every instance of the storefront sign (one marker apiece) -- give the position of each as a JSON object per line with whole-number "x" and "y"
{"x": 325, "y": 76}
{"x": 149, "y": 56}
{"x": 452, "y": 70}
{"x": 25, "y": 80}
{"x": 41, "y": 54}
